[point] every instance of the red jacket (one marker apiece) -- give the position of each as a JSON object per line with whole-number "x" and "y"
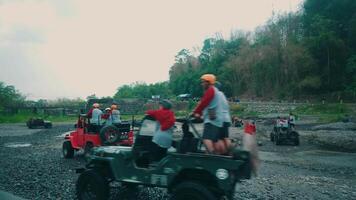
{"x": 205, "y": 100}
{"x": 90, "y": 113}
{"x": 165, "y": 117}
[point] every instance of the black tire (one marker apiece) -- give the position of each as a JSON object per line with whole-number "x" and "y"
{"x": 67, "y": 150}
{"x": 48, "y": 125}
{"x": 92, "y": 186}
{"x": 277, "y": 140}
{"x": 296, "y": 141}
{"x": 296, "y": 137}
{"x": 110, "y": 135}
{"x": 192, "y": 190}
{"x": 271, "y": 137}
{"x": 87, "y": 149}
{"x": 128, "y": 191}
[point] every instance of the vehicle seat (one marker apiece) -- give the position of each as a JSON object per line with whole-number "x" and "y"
{"x": 142, "y": 150}
{"x": 188, "y": 145}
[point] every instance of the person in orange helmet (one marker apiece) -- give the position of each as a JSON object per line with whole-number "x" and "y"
{"x": 210, "y": 109}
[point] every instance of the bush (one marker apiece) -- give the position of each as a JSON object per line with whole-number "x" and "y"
{"x": 237, "y": 108}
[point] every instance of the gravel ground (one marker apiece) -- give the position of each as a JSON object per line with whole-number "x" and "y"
{"x": 32, "y": 167}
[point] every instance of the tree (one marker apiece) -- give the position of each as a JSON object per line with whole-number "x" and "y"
{"x": 9, "y": 96}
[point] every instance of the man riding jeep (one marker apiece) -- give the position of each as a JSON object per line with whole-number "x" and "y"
{"x": 210, "y": 108}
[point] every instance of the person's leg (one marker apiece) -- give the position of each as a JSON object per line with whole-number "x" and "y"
{"x": 209, "y": 137}
{"x": 219, "y": 147}
{"x": 225, "y": 140}
{"x": 209, "y": 145}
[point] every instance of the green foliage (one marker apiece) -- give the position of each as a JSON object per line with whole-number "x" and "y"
{"x": 326, "y": 113}
{"x": 9, "y": 96}
{"x": 142, "y": 90}
{"x": 296, "y": 54}
{"x": 323, "y": 109}
{"x": 23, "y": 117}
{"x": 237, "y": 108}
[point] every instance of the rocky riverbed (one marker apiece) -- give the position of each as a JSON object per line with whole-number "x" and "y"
{"x": 32, "y": 167}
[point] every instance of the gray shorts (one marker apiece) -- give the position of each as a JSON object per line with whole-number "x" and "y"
{"x": 211, "y": 132}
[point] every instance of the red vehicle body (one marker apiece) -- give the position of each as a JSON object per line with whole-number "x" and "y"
{"x": 86, "y": 139}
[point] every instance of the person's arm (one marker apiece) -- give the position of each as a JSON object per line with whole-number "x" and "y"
{"x": 204, "y": 102}
{"x": 169, "y": 122}
{"x": 152, "y": 113}
{"x": 90, "y": 113}
{"x": 105, "y": 116}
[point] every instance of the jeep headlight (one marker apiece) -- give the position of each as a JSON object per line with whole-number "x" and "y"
{"x": 222, "y": 174}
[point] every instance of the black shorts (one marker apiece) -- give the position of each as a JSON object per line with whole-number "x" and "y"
{"x": 211, "y": 132}
{"x": 224, "y": 130}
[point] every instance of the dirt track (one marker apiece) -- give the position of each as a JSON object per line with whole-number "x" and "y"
{"x": 32, "y": 167}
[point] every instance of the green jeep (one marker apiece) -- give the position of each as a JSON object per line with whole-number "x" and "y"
{"x": 187, "y": 174}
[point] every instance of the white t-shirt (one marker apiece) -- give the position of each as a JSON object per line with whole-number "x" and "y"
{"x": 96, "y": 116}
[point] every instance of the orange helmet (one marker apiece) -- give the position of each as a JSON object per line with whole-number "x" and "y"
{"x": 209, "y": 78}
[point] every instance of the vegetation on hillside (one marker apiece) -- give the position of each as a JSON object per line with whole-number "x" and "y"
{"x": 311, "y": 52}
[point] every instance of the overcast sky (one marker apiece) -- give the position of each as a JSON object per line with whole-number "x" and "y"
{"x": 73, "y": 48}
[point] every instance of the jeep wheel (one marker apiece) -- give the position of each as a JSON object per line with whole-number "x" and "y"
{"x": 110, "y": 134}
{"x": 92, "y": 186}
{"x": 67, "y": 150}
{"x": 192, "y": 190}
{"x": 87, "y": 149}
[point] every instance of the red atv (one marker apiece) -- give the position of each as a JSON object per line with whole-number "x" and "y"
{"x": 86, "y": 136}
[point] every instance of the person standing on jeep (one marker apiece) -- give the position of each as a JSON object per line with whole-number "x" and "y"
{"x": 94, "y": 114}
{"x": 90, "y": 112}
{"x": 210, "y": 109}
{"x": 115, "y": 114}
{"x": 163, "y": 135}
{"x": 112, "y": 117}
{"x": 226, "y": 117}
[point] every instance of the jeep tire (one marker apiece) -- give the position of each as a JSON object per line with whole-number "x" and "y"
{"x": 87, "y": 148}
{"x": 192, "y": 190}
{"x": 109, "y": 135}
{"x": 67, "y": 149}
{"x": 92, "y": 186}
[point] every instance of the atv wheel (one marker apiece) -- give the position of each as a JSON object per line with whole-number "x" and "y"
{"x": 110, "y": 135}
{"x": 296, "y": 138}
{"x": 192, "y": 190}
{"x": 92, "y": 186}
{"x": 277, "y": 140}
{"x": 67, "y": 150}
{"x": 271, "y": 137}
{"x": 296, "y": 141}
